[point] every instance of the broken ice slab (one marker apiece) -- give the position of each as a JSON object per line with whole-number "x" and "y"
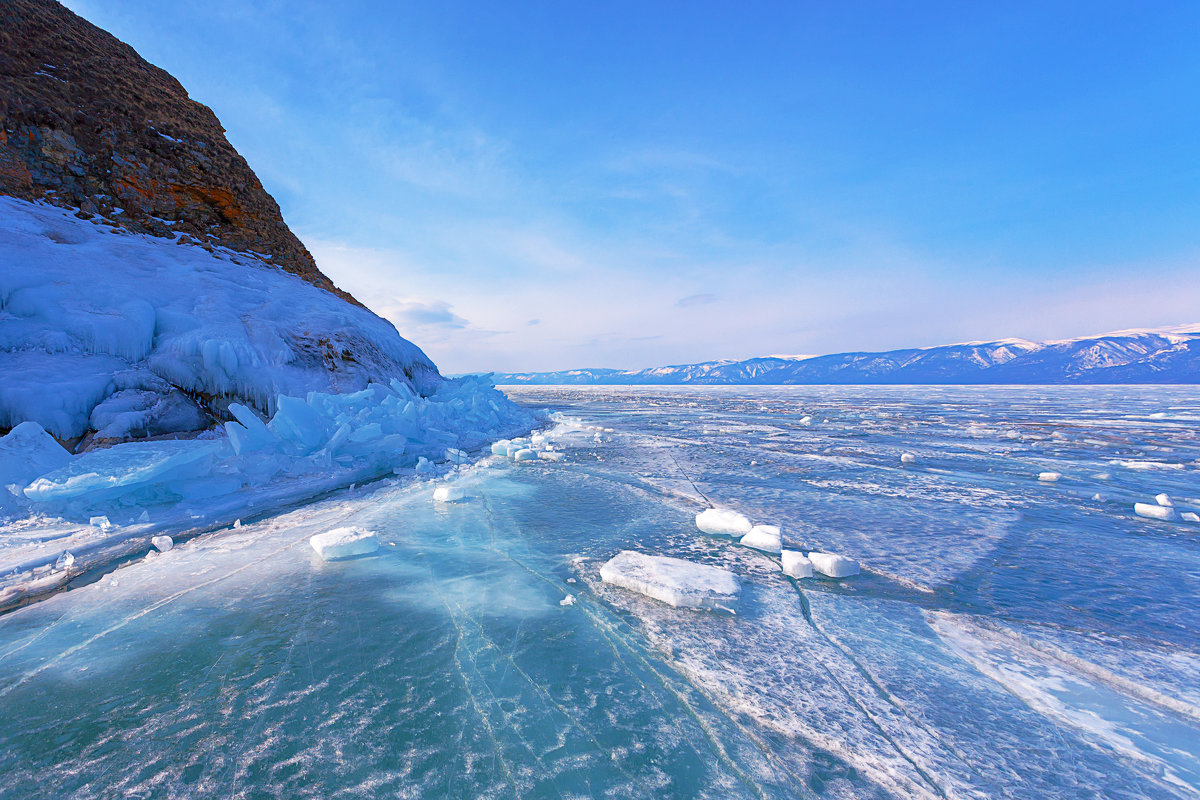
{"x": 907, "y": 458}
{"x": 833, "y": 565}
{"x": 796, "y": 564}
{"x": 723, "y": 521}
{"x": 1049, "y": 477}
{"x": 763, "y": 537}
{"x": 1154, "y": 511}
{"x": 162, "y": 543}
{"x": 448, "y": 494}
{"x": 548, "y": 455}
{"x": 1164, "y": 500}
{"x": 674, "y": 581}
{"x": 525, "y": 454}
{"x": 1190, "y": 516}
{"x": 344, "y": 543}
{"x": 500, "y": 448}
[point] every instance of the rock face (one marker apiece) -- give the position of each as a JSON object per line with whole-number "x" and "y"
{"x": 86, "y": 122}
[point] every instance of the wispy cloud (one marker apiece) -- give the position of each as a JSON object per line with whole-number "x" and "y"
{"x": 695, "y": 300}
{"x": 424, "y": 315}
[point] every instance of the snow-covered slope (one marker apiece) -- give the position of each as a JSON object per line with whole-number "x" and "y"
{"x": 1166, "y": 355}
{"x": 128, "y": 335}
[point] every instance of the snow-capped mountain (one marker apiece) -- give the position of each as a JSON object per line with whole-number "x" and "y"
{"x": 1164, "y": 355}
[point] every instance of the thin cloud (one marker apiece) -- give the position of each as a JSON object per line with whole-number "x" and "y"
{"x": 695, "y": 300}
{"x": 425, "y": 315}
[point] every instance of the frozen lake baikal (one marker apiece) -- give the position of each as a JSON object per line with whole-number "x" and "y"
{"x": 1008, "y": 636}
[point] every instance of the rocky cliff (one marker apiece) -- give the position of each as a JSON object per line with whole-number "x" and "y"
{"x": 85, "y": 122}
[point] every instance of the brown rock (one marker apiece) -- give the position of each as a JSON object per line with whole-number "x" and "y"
{"x": 86, "y": 122}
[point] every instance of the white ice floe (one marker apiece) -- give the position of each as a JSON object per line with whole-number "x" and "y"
{"x": 833, "y": 565}
{"x": 676, "y": 582}
{"x": 162, "y": 543}
{"x": 907, "y": 458}
{"x": 763, "y": 537}
{"x": 344, "y": 543}
{"x": 806, "y": 421}
{"x": 525, "y": 454}
{"x": 796, "y": 564}
{"x": 449, "y": 494}
{"x": 1049, "y": 477}
{"x": 1190, "y": 516}
{"x": 551, "y": 455}
{"x": 1155, "y": 511}
{"x": 1164, "y": 500}
{"x": 723, "y": 521}
{"x": 569, "y": 600}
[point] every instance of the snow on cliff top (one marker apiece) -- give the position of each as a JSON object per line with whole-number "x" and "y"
{"x": 131, "y": 335}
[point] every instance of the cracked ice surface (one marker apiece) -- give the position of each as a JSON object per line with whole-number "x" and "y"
{"x": 1000, "y": 641}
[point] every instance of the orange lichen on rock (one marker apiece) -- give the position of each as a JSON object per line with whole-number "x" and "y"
{"x": 109, "y": 131}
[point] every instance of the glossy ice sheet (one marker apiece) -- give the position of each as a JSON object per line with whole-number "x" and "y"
{"x": 1008, "y": 638}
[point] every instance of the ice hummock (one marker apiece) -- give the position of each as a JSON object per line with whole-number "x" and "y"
{"x": 344, "y": 543}
{"x": 356, "y": 436}
{"x": 723, "y": 521}
{"x": 674, "y": 581}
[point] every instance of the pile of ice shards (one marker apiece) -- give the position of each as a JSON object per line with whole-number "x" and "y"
{"x": 528, "y": 448}
{"x": 381, "y": 429}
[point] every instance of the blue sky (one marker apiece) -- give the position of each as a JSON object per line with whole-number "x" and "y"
{"x": 545, "y": 186}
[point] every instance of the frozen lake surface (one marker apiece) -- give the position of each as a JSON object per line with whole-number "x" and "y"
{"x": 1007, "y": 637}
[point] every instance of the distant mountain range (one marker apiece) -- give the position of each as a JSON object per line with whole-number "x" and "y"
{"x": 1162, "y": 355}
